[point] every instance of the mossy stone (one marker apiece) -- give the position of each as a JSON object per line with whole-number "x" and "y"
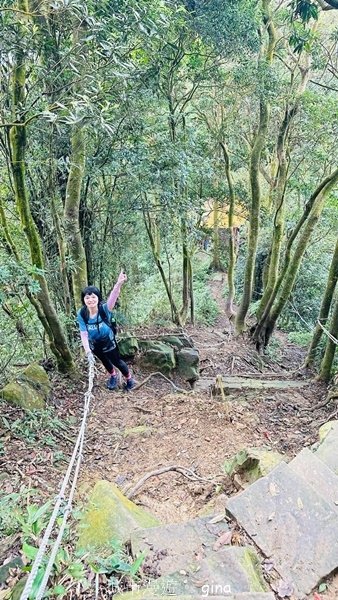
{"x": 128, "y": 346}
{"x": 37, "y": 377}
{"x": 158, "y": 356}
{"x": 325, "y": 429}
{"x": 23, "y": 395}
{"x": 111, "y": 516}
{"x": 188, "y": 363}
{"x": 253, "y": 463}
{"x": 252, "y": 567}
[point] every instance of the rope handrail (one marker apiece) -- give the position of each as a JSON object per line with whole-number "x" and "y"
{"x": 77, "y": 453}
{"x": 328, "y": 333}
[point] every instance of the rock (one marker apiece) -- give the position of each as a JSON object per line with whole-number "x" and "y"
{"x": 23, "y": 395}
{"x": 175, "y": 547}
{"x": 188, "y": 364}
{"x": 150, "y": 592}
{"x": 157, "y": 356}
{"x": 291, "y": 523}
{"x": 308, "y": 466}
{"x": 128, "y": 346}
{"x": 327, "y": 451}
{"x": 111, "y": 516}
{"x": 178, "y": 341}
{"x": 12, "y": 564}
{"x": 30, "y": 391}
{"x": 215, "y": 506}
{"x": 37, "y": 377}
{"x": 229, "y": 571}
{"x": 325, "y": 429}
{"x": 252, "y": 463}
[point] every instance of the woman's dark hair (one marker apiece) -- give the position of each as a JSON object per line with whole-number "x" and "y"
{"x": 91, "y": 289}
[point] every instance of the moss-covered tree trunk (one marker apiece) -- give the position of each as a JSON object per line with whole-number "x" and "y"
{"x": 325, "y": 307}
{"x": 331, "y": 347}
{"x": 279, "y": 186}
{"x": 255, "y": 159}
{"x": 232, "y": 245}
{"x": 266, "y": 325}
{"x": 153, "y": 238}
{"x": 72, "y": 210}
{"x": 17, "y": 137}
{"x": 278, "y": 228}
{"x": 216, "y": 251}
{"x": 185, "y": 274}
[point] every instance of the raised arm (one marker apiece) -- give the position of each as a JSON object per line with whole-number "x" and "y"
{"x": 114, "y": 294}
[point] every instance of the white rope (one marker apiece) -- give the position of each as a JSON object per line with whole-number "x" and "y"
{"x": 77, "y": 452}
{"x": 327, "y": 332}
{"x": 310, "y": 328}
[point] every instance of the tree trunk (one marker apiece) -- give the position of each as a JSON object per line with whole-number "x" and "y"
{"x": 278, "y": 189}
{"x": 265, "y": 326}
{"x": 325, "y": 307}
{"x": 53, "y": 328}
{"x": 153, "y": 243}
{"x": 216, "y": 258}
{"x": 278, "y": 229}
{"x": 185, "y": 275}
{"x": 71, "y": 212}
{"x": 254, "y": 217}
{"x": 191, "y": 288}
{"x": 232, "y": 246}
{"x": 331, "y": 346}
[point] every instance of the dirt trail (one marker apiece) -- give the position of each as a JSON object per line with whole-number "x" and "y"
{"x": 130, "y": 434}
{"x": 194, "y": 430}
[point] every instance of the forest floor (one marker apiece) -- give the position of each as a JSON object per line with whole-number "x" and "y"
{"x": 195, "y": 430}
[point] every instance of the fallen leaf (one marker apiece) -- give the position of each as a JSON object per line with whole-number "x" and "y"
{"x": 268, "y": 565}
{"x": 223, "y": 540}
{"x": 300, "y": 504}
{"x": 217, "y": 519}
{"x": 283, "y": 589}
{"x": 273, "y": 489}
{"x": 272, "y": 516}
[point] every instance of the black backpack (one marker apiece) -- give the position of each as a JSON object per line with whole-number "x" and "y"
{"x": 111, "y": 322}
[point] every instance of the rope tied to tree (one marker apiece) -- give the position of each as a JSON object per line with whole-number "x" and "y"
{"x": 76, "y": 460}
{"x": 328, "y": 333}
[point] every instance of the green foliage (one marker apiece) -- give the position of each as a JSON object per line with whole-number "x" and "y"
{"x": 300, "y": 338}
{"x": 43, "y": 427}
{"x": 305, "y": 10}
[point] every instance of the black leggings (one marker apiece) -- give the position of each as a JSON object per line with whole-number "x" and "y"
{"x": 112, "y": 359}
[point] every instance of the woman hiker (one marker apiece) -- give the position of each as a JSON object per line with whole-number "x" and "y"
{"x": 97, "y": 335}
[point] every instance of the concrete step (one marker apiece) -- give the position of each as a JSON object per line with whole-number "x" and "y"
{"x": 315, "y": 472}
{"x": 177, "y": 545}
{"x": 148, "y": 594}
{"x": 245, "y": 383}
{"x": 196, "y": 557}
{"x": 328, "y": 449}
{"x": 292, "y": 524}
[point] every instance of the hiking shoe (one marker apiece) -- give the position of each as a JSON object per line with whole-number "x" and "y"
{"x": 130, "y": 383}
{"x": 112, "y": 383}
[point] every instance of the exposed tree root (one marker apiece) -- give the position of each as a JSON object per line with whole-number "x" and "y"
{"x": 188, "y": 473}
{"x": 177, "y": 389}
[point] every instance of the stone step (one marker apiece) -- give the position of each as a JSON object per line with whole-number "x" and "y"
{"x": 292, "y": 524}
{"x": 328, "y": 450}
{"x": 313, "y": 470}
{"x": 245, "y": 383}
{"x": 175, "y": 546}
{"x": 195, "y": 556}
{"x": 147, "y": 594}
